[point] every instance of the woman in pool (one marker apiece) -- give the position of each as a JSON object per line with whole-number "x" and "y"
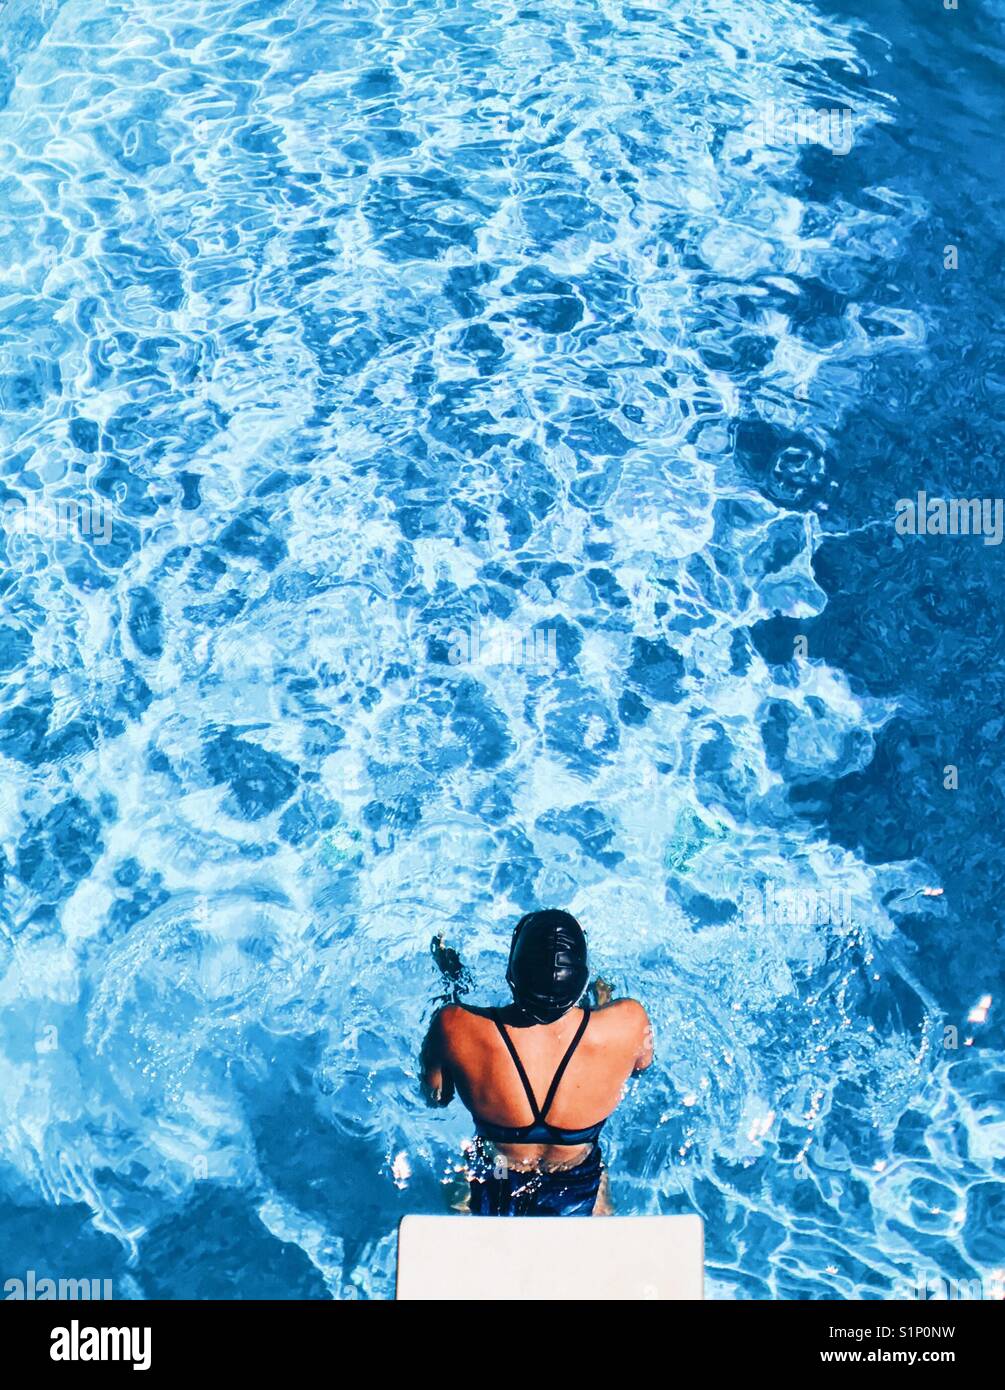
{"x": 539, "y": 1157}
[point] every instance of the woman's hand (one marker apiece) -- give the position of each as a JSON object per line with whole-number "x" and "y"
{"x": 602, "y": 992}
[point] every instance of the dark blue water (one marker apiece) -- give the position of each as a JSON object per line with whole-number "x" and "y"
{"x": 448, "y": 457}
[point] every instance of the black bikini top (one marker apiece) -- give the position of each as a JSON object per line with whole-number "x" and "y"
{"x": 539, "y": 1131}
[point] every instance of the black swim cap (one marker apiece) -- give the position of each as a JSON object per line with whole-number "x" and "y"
{"x": 547, "y": 969}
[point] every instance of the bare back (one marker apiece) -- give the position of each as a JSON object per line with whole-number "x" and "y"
{"x": 617, "y": 1041}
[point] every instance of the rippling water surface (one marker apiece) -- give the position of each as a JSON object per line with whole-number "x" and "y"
{"x": 475, "y": 411}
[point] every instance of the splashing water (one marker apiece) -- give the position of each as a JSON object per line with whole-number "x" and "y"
{"x": 416, "y": 355}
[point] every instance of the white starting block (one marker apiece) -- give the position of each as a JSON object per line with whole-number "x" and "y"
{"x": 472, "y": 1258}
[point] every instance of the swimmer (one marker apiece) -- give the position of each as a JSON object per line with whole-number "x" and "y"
{"x": 539, "y": 1157}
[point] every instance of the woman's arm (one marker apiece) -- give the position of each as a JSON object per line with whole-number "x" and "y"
{"x": 646, "y": 1051}
{"x": 436, "y": 1082}
{"x": 641, "y": 1033}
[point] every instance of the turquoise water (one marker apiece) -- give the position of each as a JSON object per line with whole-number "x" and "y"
{"x": 477, "y": 429}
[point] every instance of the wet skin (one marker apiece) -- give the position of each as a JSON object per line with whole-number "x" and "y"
{"x": 464, "y": 1052}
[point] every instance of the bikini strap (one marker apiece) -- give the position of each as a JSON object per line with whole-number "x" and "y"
{"x": 557, "y": 1080}
{"x": 519, "y": 1066}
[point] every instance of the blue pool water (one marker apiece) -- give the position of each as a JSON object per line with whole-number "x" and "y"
{"x": 490, "y": 441}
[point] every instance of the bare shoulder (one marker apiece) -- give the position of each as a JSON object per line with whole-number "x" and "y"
{"x": 624, "y": 1017}
{"x": 458, "y": 1023}
{"x": 451, "y": 1019}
